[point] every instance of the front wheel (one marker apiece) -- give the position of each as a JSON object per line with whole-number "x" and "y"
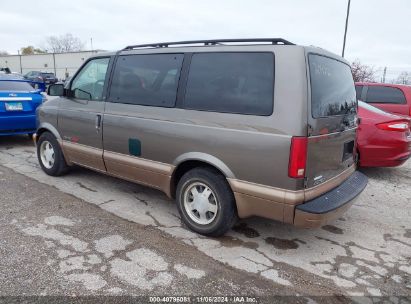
{"x": 50, "y": 156}
{"x": 205, "y": 202}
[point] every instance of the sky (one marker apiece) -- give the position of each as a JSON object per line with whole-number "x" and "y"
{"x": 379, "y": 31}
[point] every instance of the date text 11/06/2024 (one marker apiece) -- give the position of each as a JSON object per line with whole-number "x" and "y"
{"x": 200, "y": 299}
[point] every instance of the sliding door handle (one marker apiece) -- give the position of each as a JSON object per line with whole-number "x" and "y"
{"x": 98, "y": 122}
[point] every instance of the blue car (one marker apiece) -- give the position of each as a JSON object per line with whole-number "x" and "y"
{"x": 19, "y": 100}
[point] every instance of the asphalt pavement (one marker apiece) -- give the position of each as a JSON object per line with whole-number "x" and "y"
{"x": 90, "y": 234}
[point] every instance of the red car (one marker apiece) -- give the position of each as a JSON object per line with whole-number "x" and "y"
{"x": 383, "y": 139}
{"x": 392, "y": 98}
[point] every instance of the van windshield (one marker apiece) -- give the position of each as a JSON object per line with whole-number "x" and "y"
{"x": 332, "y": 87}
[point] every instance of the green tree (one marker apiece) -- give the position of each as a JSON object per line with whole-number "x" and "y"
{"x": 30, "y": 50}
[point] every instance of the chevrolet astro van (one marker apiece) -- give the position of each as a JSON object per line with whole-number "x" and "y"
{"x": 228, "y": 128}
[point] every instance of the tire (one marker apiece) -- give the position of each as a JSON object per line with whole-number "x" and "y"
{"x": 206, "y": 189}
{"x": 52, "y": 162}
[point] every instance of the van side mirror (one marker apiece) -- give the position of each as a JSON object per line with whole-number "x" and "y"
{"x": 55, "y": 90}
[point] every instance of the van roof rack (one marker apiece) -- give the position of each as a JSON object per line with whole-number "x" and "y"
{"x": 275, "y": 41}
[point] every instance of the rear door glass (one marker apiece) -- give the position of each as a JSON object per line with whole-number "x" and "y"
{"x": 332, "y": 87}
{"x": 380, "y": 94}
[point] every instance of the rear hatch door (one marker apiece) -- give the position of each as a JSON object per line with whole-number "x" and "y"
{"x": 332, "y": 119}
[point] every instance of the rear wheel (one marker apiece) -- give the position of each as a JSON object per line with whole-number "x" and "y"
{"x": 50, "y": 156}
{"x": 205, "y": 202}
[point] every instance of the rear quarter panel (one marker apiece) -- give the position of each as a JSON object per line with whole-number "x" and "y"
{"x": 403, "y": 109}
{"x": 379, "y": 147}
{"x": 21, "y": 121}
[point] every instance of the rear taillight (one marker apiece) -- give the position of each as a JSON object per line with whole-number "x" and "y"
{"x": 399, "y": 126}
{"x": 298, "y": 157}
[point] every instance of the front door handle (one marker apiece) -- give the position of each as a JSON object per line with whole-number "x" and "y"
{"x": 98, "y": 122}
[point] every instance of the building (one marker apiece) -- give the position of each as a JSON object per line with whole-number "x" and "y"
{"x": 61, "y": 64}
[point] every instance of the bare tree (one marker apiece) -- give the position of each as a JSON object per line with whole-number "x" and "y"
{"x": 3, "y": 53}
{"x": 30, "y": 50}
{"x": 362, "y": 72}
{"x": 64, "y": 43}
{"x": 404, "y": 78}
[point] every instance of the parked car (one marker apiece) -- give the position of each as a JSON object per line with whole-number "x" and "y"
{"x": 5, "y": 70}
{"x": 47, "y": 78}
{"x": 384, "y": 139}
{"x": 16, "y": 75}
{"x": 393, "y": 98}
{"x": 18, "y": 104}
{"x": 207, "y": 123}
{"x": 37, "y": 85}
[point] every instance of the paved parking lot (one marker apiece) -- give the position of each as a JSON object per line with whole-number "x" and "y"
{"x": 98, "y": 234}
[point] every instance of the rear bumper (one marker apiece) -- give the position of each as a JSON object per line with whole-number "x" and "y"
{"x": 276, "y": 203}
{"x": 398, "y": 160}
{"x": 390, "y": 150}
{"x": 330, "y": 205}
{"x": 18, "y": 124}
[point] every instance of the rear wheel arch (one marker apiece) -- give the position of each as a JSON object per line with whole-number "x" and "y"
{"x": 196, "y": 160}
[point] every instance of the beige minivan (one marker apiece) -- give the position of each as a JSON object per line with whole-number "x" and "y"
{"x": 229, "y": 128}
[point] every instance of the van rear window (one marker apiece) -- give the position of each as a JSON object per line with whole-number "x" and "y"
{"x": 332, "y": 87}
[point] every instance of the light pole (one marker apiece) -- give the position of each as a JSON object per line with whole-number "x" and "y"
{"x": 346, "y": 26}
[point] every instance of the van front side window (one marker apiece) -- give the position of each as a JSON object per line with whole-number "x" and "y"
{"x": 89, "y": 83}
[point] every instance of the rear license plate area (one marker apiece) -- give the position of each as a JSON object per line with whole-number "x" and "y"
{"x": 348, "y": 150}
{"x": 14, "y": 106}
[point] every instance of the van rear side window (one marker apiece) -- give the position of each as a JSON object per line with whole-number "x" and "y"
{"x": 241, "y": 83}
{"x": 332, "y": 87}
